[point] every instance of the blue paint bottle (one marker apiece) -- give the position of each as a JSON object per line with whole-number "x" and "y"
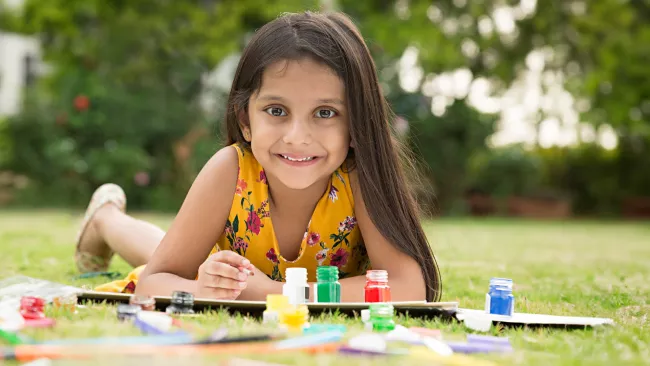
{"x": 499, "y": 299}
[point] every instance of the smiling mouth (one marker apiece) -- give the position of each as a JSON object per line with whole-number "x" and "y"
{"x": 307, "y": 158}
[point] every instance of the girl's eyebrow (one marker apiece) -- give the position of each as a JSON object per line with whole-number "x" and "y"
{"x": 276, "y": 98}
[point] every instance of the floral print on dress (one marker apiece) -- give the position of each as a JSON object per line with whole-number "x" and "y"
{"x": 332, "y": 236}
{"x": 337, "y": 173}
{"x": 262, "y": 177}
{"x": 321, "y": 256}
{"x": 273, "y": 257}
{"x": 313, "y": 239}
{"x": 333, "y": 195}
{"x": 241, "y": 187}
{"x": 345, "y": 228}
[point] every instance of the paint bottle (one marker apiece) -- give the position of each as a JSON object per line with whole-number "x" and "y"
{"x": 296, "y": 287}
{"x": 181, "y": 303}
{"x": 377, "y": 289}
{"x": 147, "y": 303}
{"x": 381, "y": 317}
{"x": 126, "y": 312}
{"x": 275, "y": 304}
{"x": 295, "y": 318}
{"x": 327, "y": 287}
{"x": 32, "y": 307}
{"x": 499, "y": 299}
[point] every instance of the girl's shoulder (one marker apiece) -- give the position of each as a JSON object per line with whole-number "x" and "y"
{"x": 223, "y": 166}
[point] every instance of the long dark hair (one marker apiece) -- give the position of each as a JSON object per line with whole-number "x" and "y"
{"x": 335, "y": 41}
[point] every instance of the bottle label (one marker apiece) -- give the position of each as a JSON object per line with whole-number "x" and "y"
{"x": 297, "y": 294}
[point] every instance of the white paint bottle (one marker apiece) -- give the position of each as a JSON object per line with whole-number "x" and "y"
{"x": 296, "y": 287}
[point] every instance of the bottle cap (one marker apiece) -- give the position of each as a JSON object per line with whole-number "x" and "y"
{"x": 327, "y": 273}
{"x": 127, "y": 312}
{"x": 377, "y": 275}
{"x": 381, "y": 309}
{"x": 276, "y": 302}
{"x": 182, "y": 298}
{"x": 296, "y": 275}
{"x": 365, "y": 315}
{"x": 147, "y": 303}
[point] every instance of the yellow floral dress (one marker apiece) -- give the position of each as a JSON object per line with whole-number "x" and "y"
{"x": 332, "y": 237}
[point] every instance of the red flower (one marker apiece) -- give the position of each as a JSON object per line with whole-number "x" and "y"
{"x": 241, "y": 187}
{"x": 81, "y": 103}
{"x": 253, "y": 222}
{"x": 340, "y": 258}
{"x": 263, "y": 177}
{"x": 270, "y": 255}
{"x": 313, "y": 238}
{"x": 141, "y": 179}
{"x": 240, "y": 244}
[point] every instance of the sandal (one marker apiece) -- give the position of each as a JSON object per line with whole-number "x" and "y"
{"x": 105, "y": 194}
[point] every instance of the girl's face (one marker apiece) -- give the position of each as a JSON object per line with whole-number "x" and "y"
{"x": 299, "y": 123}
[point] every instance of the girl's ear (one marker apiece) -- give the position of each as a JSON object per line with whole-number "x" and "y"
{"x": 244, "y": 125}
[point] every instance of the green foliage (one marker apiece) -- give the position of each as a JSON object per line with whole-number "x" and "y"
{"x": 445, "y": 143}
{"x": 598, "y": 180}
{"x": 123, "y": 101}
{"x": 507, "y": 171}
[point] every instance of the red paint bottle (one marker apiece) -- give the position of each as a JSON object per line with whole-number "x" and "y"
{"x": 377, "y": 289}
{"x": 32, "y": 307}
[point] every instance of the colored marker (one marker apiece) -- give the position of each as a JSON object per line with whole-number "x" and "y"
{"x": 359, "y": 351}
{"x": 11, "y": 338}
{"x": 310, "y": 340}
{"x": 153, "y": 340}
{"x": 477, "y": 347}
{"x": 477, "y": 338}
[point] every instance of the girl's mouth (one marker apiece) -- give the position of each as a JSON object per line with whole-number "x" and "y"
{"x": 298, "y": 159}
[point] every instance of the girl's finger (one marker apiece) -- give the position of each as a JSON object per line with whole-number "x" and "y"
{"x": 230, "y": 257}
{"x": 224, "y": 270}
{"x": 224, "y": 283}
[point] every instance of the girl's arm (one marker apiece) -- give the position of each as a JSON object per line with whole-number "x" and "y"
{"x": 195, "y": 230}
{"x": 404, "y": 275}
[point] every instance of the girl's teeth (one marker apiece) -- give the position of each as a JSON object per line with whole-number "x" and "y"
{"x": 301, "y": 159}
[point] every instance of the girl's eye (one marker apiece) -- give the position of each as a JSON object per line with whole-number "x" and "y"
{"x": 275, "y": 111}
{"x": 325, "y": 113}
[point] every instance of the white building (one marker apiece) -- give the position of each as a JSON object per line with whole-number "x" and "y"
{"x": 18, "y": 55}
{"x": 18, "y": 58}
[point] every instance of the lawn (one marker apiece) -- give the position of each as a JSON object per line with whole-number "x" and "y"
{"x": 583, "y": 268}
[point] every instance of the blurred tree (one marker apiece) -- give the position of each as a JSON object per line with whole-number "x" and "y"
{"x": 598, "y": 50}
{"x": 122, "y": 100}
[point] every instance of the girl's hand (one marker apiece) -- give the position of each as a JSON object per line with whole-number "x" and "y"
{"x": 259, "y": 285}
{"x": 222, "y": 276}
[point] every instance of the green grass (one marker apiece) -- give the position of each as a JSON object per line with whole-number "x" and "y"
{"x": 596, "y": 269}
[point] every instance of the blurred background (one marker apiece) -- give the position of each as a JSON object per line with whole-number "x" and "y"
{"x": 516, "y": 107}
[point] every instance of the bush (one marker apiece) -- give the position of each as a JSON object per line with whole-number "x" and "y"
{"x": 93, "y": 130}
{"x": 507, "y": 171}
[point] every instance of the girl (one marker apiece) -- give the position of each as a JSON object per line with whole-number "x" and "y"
{"x": 310, "y": 176}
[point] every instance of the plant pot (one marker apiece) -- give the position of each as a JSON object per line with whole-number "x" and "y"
{"x": 636, "y": 207}
{"x": 538, "y": 207}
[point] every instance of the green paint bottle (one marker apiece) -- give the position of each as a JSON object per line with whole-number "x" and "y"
{"x": 381, "y": 317}
{"x": 327, "y": 287}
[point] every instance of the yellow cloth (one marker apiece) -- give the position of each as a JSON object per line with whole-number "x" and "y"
{"x": 331, "y": 238}
{"x": 122, "y": 285}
